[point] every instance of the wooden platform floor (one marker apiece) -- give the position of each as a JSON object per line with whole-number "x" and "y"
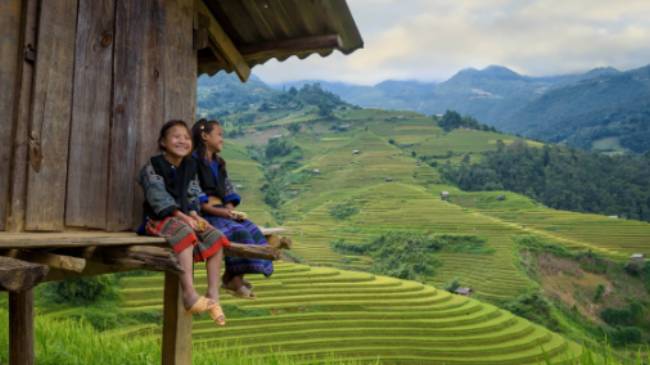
{"x": 79, "y": 238}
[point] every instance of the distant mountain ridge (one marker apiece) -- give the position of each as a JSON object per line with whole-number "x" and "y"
{"x": 603, "y": 109}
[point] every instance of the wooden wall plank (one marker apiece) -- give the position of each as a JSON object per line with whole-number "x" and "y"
{"x": 180, "y": 62}
{"x": 50, "y": 126}
{"x": 137, "y": 105}
{"x": 18, "y": 183}
{"x": 91, "y": 113}
{"x": 10, "y": 16}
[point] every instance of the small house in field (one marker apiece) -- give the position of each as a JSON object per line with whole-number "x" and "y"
{"x": 463, "y": 291}
{"x": 637, "y": 257}
{"x": 444, "y": 195}
{"x": 85, "y": 87}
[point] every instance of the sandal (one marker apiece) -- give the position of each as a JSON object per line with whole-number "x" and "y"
{"x": 201, "y": 305}
{"x": 217, "y": 315}
{"x": 243, "y": 292}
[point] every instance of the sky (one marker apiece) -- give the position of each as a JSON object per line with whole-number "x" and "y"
{"x": 430, "y": 40}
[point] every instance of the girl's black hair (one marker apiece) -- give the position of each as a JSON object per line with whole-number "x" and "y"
{"x": 204, "y": 126}
{"x": 166, "y": 127}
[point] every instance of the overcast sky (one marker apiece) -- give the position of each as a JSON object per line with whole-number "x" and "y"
{"x": 430, "y": 40}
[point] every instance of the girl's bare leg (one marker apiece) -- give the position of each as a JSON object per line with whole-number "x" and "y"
{"x": 213, "y": 266}
{"x": 190, "y": 296}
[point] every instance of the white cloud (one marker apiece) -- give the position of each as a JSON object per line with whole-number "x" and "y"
{"x": 430, "y": 40}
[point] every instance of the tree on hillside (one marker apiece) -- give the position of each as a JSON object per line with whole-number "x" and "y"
{"x": 452, "y": 120}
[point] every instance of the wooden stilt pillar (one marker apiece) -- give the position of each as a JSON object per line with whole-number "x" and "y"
{"x": 21, "y": 327}
{"x": 177, "y": 325}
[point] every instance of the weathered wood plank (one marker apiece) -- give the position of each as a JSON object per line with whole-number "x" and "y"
{"x": 54, "y": 261}
{"x": 16, "y": 218}
{"x": 267, "y": 231}
{"x": 137, "y": 105}
{"x": 75, "y": 239}
{"x": 18, "y": 275}
{"x": 91, "y": 113}
{"x": 21, "y": 327}
{"x": 10, "y": 11}
{"x": 50, "y": 126}
{"x": 180, "y": 64}
{"x": 252, "y": 251}
{"x": 177, "y": 325}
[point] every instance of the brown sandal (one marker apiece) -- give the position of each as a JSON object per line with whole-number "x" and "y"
{"x": 217, "y": 315}
{"x": 201, "y": 305}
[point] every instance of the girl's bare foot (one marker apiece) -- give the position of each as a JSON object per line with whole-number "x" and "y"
{"x": 189, "y": 299}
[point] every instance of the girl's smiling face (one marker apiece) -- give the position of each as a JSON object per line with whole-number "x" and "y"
{"x": 214, "y": 139}
{"x": 177, "y": 141}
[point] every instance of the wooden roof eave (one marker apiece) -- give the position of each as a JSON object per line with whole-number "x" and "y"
{"x": 231, "y": 57}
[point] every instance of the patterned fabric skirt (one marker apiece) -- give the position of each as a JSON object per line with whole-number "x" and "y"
{"x": 181, "y": 236}
{"x": 245, "y": 232}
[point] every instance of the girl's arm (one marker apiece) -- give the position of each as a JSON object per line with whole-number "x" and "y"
{"x": 216, "y": 211}
{"x": 155, "y": 192}
{"x": 231, "y": 198}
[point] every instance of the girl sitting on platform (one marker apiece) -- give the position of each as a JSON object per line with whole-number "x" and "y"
{"x": 220, "y": 208}
{"x": 172, "y": 202}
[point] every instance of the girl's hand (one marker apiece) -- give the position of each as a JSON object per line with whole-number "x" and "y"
{"x": 229, "y": 213}
{"x": 190, "y": 221}
{"x": 201, "y": 223}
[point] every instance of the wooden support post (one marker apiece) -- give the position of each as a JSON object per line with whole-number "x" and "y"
{"x": 21, "y": 327}
{"x": 177, "y": 325}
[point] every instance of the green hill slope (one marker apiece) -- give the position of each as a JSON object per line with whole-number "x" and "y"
{"x": 309, "y": 313}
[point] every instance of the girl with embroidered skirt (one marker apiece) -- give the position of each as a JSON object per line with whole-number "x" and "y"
{"x": 172, "y": 199}
{"x": 219, "y": 210}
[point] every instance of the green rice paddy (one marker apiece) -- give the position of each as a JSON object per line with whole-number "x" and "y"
{"x": 307, "y": 313}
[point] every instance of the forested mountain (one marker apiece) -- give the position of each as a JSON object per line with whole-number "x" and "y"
{"x": 605, "y": 112}
{"x": 603, "y": 109}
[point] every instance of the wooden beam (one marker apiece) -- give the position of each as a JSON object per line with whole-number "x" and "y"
{"x": 75, "y": 239}
{"x": 177, "y": 325}
{"x": 151, "y": 258}
{"x": 223, "y": 44}
{"x": 275, "y": 230}
{"x": 252, "y": 251}
{"x": 18, "y": 275}
{"x": 266, "y": 50}
{"x": 92, "y": 268}
{"x": 279, "y": 242}
{"x": 21, "y": 327}
{"x": 54, "y": 261}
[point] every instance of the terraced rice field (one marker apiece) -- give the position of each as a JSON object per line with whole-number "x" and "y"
{"x": 617, "y": 238}
{"x": 308, "y": 313}
{"x": 493, "y": 276}
{"x": 248, "y": 178}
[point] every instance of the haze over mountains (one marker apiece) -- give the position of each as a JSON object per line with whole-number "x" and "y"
{"x": 604, "y": 109}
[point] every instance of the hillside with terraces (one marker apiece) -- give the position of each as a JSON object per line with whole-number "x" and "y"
{"x": 327, "y": 306}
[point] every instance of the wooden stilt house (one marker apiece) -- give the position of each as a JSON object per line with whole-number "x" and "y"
{"x": 84, "y": 87}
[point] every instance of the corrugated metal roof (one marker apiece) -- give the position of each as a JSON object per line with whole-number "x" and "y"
{"x": 265, "y": 29}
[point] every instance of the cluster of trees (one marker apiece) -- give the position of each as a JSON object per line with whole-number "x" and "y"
{"x": 562, "y": 178}
{"x": 343, "y": 211}
{"x": 307, "y": 95}
{"x": 452, "y": 120}
{"x": 411, "y": 255}
{"x": 279, "y": 158}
